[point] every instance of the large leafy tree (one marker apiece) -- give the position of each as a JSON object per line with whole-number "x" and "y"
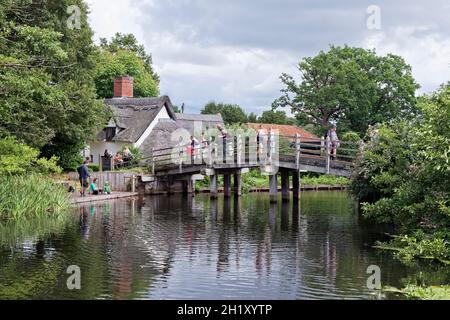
{"x": 123, "y": 55}
{"x": 47, "y": 93}
{"x": 353, "y": 86}
{"x": 231, "y": 113}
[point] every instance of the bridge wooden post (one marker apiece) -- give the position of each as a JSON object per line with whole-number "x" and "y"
{"x": 209, "y": 152}
{"x": 328, "y": 154}
{"x": 273, "y": 188}
{"x": 213, "y": 186}
{"x": 227, "y": 185}
{"x": 188, "y": 185}
{"x": 239, "y": 150}
{"x": 285, "y": 185}
{"x": 237, "y": 184}
{"x": 296, "y": 185}
{"x": 181, "y": 159}
{"x": 298, "y": 150}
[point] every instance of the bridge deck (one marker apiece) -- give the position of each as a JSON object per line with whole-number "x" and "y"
{"x": 312, "y": 156}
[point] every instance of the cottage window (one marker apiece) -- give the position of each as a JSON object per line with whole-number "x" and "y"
{"x": 110, "y": 132}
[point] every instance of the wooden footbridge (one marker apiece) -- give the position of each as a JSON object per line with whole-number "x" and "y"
{"x": 287, "y": 156}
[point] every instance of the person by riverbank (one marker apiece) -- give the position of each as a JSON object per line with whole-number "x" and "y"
{"x": 83, "y": 173}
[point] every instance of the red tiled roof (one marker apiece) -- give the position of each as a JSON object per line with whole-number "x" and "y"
{"x": 284, "y": 130}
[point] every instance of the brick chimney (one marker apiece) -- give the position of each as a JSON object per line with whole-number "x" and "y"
{"x": 123, "y": 87}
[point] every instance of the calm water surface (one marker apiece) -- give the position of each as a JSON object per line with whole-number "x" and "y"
{"x": 193, "y": 248}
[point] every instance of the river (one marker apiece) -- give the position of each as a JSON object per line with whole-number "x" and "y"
{"x": 181, "y": 247}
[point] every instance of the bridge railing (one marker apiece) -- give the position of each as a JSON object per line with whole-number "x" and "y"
{"x": 241, "y": 150}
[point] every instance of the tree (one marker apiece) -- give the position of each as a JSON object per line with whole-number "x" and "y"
{"x": 124, "y": 56}
{"x": 128, "y": 42}
{"x": 353, "y": 86}
{"x": 403, "y": 174}
{"x": 275, "y": 117}
{"x": 252, "y": 117}
{"x": 231, "y": 113}
{"x": 17, "y": 158}
{"x": 47, "y": 93}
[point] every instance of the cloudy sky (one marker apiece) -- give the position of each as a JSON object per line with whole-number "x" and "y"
{"x": 234, "y": 51}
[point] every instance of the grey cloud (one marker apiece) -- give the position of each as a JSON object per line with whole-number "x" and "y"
{"x": 195, "y": 42}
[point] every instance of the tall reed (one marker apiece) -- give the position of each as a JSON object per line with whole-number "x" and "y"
{"x": 31, "y": 196}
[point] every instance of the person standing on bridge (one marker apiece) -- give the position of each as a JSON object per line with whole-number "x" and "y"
{"x": 334, "y": 139}
{"x": 224, "y": 133}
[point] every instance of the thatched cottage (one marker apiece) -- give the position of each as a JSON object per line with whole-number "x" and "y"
{"x": 144, "y": 123}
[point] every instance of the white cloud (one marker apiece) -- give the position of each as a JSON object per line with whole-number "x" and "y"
{"x": 424, "y": 49}
{"x": 109, "y": 16}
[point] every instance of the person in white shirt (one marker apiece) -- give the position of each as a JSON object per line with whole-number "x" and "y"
{"x": 334, "y": 141}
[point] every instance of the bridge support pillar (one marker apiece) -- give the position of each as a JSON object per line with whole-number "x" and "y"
{"x": 169, "y": 182}
{"x": 273, "y": 188}
{"x": 296, "y": 184}
{"x": 213, "y": 186}
{"x": 237, "y": 185}
{"x": 285, "y": 186}
{"x": 189, "y": 185}
{"x": 227, "y": 185}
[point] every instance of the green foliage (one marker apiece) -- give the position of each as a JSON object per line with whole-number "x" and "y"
{"x": 121, "y": 63}
{"x": 231, "y": 113}
{"x": 47, "y": 94}
{"x": 137, "y": 157}
{"x": 128, "y": 42}
{"x": 351, "y": 85}
{"x": 252, "y": 118}
{"x": 17, "y": 159}
{"x": 275, "y": 117}
{"x": 351, "y": 136}
{"x": 327, "y": 180}
{"x": 31, "y": 196}
{"x": 412, "y": 248}
{"x": 429, "y": 293}
{"x": 136, "y": 152}
{"x": 94, "y": 167}
{"x": 403, "y": 175}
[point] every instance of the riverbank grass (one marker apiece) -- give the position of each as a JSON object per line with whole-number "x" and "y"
{"x": 414, "y": 292}
{"x": 31, "y": 196}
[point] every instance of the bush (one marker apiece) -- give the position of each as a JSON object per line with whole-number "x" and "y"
{"x": 403, "y": 176}
{"x": 94, "y": 167}
{"x": 18, "y": 158}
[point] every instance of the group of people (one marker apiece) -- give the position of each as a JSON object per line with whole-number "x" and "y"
{"x": 196, "y": 146}
{"x": 263, "y": 136}
{"x": 121, "y": 159}
{"x": 88, "y": 184}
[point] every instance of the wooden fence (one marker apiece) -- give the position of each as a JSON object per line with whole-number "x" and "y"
{"x": 118, "y": 181}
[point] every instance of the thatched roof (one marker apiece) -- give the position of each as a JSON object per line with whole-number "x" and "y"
{"x": 132, "y": 116}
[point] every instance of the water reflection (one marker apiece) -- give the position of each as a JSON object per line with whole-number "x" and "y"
{"x": 194, "y": 247}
